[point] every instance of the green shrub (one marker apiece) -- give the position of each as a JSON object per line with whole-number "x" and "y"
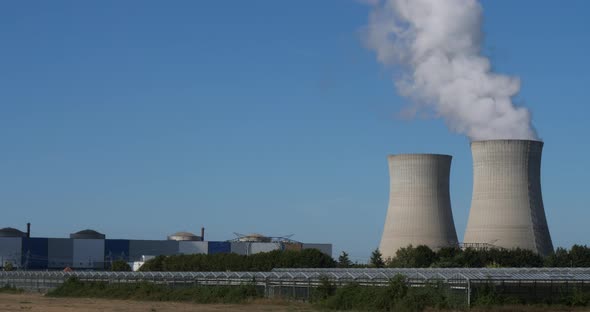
{"x": 324, "y": 290}
{"x": 155, "y": 264}
{"x": 120, "y": 266}
{"x": 8, "y": 266}
{"x": 423, "y": 257}
{"x": 7, "y": 289}
{"x": 396, "y": 296}
{"x": 577, "y": 298}
{"x": 413, "y": 257}
{"x": 307, "y": 258}
{"x": 155, "y": 292}
{"x": 486, "y": 295}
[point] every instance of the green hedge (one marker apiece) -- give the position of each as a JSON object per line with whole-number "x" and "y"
{"x": 397, "y": 296}
{"x": 10, "y": 290}
{"x": 154, "y": 292}
{"x": 409, "y": 257}
{"x": 490, "y": 294}
{"x": 120, "y": 266}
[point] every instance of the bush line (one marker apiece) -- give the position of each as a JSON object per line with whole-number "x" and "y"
{"x": 73, "y": 287}
{"x": 307, "y": 258}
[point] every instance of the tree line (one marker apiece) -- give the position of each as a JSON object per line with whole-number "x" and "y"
{"x": 453, "y": 257}
{"x": 266, "y": 261}
{"x": 408, "y": 257}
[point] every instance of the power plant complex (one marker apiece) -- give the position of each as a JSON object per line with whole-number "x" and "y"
{"x": 91, "y": 250}
{"x": 506, "y": 209}
{"x": 506, "y": 212}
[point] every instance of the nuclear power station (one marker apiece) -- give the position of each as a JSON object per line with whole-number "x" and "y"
{"x": 506, "y": 209}
{"x": 507, "y": 206}
{"x": 91, "y": 250}
{"x": 419, "y": 210}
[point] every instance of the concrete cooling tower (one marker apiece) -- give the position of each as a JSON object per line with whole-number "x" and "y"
{"x": 507, "y": 206}
{"x": 419, "y": 210}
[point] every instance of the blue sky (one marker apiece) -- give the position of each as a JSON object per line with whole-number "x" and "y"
{"x": 142, "y": 118}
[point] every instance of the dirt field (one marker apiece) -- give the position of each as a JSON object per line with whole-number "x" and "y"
{"x": 36, "y": 302}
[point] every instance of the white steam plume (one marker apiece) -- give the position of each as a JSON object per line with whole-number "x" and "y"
{"x": 437, "y": 44}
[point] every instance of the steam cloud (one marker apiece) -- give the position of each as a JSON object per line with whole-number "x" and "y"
{"x": 437, "y": 46}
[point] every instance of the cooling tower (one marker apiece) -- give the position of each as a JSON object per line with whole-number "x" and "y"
{"x": 507, "y": 206}
{"x": 419, "y": 210}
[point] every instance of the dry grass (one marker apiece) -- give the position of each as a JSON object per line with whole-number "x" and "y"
{"x": 37, "y": 302}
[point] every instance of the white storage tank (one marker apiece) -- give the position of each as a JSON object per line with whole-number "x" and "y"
{"x": 255, "y": 237}
{"x": 87, "y": 234}
{"x": 184, "y": 236}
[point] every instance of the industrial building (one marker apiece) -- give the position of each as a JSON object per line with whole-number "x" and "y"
{"x": 419, "y": 211}
{"x": 507, "y": 206}
{"x": 91, "y": 250}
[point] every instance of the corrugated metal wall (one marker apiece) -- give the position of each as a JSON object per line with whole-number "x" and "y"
{"x": 10, "y": 251}
{"x": 60, "y": 252}
{"x": 35, "y": 253}
{"x": 138, "y": 248}
{"x": 249, "y": 248}
{"x": 190, "y": 247}
{"x": 88, "y": 253}
{"x": 116, "y": 249}
{"x": 240, "y": 248}
{"x": 218, "y": 247}
{"x": 325, "y": 248}
{"x": 255, "y": 248}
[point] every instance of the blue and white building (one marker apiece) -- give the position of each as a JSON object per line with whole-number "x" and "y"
{"x": 91, "y": 250}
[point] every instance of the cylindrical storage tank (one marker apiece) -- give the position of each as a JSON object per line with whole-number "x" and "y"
{"x": 507, "y": 206}
{"x": 255, "y": 237}
{"x": 87, "y": 234}
{"x": 184, "y": 236}
{"x": 11, "y": 232}
{"x": 419, "y": 210}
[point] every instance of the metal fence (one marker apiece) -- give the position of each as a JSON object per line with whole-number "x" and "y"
{"x": 272, "y": 284}
{"x": 527, "y": 284}
{"x": 299, "y": 283}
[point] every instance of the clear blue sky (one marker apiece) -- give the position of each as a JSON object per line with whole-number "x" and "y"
{"x": 142, "y": 118}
